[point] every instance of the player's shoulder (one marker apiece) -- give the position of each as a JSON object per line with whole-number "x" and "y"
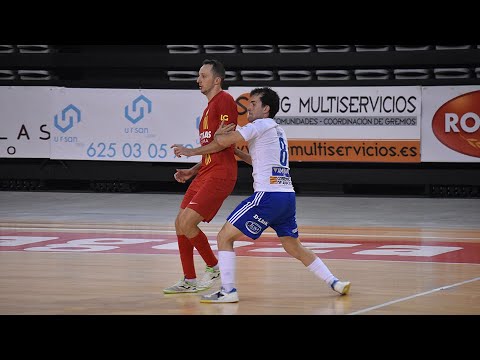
{"x": 227, "y": 105}
{"x": 226, "y": 94}
{"x": 265, "y": 123}
{"x": 222, "y": 98}
{"x": 226, "y": 97}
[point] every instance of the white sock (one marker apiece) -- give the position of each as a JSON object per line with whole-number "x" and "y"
{"x": 227, "y": 264}
{"x": 321, "y": 271}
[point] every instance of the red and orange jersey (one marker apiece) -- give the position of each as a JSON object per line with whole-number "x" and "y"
{"x": 221, "y": 108}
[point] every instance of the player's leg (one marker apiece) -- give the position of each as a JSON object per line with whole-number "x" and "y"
{"x": 242, "y": 221}
{"x": 227, "y": 264}
{"x": 203, "y": 207}
{"x": 287, "y": 230}
{"x": 188, "y": 283}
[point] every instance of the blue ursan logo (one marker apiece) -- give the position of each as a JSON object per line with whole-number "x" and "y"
{"x": 141, "y": 109}
{"x": 69, "y": 115}
{"x": 197, "y": 123}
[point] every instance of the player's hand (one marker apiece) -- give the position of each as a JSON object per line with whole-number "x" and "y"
{"x": 182, "y": 175}
{"x": 225, "y": 129}
{"x": 180, "y": 150}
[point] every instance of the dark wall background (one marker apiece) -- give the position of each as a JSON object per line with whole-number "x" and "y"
{"x": 174, "y": 67}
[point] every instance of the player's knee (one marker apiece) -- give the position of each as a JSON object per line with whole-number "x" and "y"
{"x": 292, "y": 246}
{"x": 184, "y": 224}
{"x": 177, "y": 223}
{"x": 221, "y": 238}
{"x": 224, "y": 239}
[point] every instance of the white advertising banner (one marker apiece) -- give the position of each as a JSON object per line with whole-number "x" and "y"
{"x": 124, "y": 124}
{"x": 25, "y": 113}
{"x": 451, "y": 124}
{"x": 369, "y": 124}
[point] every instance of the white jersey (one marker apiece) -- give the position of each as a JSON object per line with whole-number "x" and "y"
{"x": 268, "y": 147}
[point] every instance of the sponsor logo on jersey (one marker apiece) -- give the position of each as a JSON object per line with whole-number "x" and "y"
{"x": 280, "y": 171}
{"x": 253, "y": 227}
{"x": 260, "y": 220}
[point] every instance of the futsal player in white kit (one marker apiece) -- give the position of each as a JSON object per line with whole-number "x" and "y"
{"x": 273, "y": 201}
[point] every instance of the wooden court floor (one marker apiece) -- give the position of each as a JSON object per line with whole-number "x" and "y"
{"x": 95, "y": 268}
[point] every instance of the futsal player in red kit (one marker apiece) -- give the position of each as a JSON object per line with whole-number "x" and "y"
{"x": 215, "y": 179}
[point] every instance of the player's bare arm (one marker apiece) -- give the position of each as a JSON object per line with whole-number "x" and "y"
{"x": 243, "y": 156}
{"x": 182, "y": 175}
{"x": 212, "y": 147}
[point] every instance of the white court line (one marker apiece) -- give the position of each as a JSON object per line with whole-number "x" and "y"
{"x": 249, "y": 256}
{"x": 412, "y": 296}
{"x": 392, "y": 236}
{"x": 216, "y": 232}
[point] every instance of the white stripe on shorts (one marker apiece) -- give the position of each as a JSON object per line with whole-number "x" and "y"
{"x": 246, "y": 207}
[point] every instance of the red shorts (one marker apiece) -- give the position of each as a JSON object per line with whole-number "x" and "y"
{"x": 206, "y": 195}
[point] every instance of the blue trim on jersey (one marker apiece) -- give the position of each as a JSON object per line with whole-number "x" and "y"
{"x": 266, "y": 209}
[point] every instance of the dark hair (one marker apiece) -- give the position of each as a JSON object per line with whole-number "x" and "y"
{"x": 217, "y": 68}
{"x": 268, "y": 97}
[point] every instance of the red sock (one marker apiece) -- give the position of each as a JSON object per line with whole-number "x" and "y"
{"x": 186, "y": 256}
{"x": 201, "y": 244}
